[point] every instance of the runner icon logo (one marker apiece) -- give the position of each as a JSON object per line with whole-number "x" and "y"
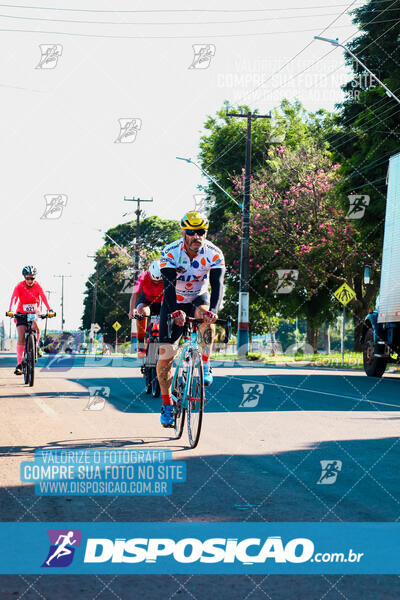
{"x": 97, "y": 397}
{"x": 329, "y": 471}
{"x": 62, "y": 547}
{"x": 251, "y": 394}
{"x": 286, "y": 280}
{"x": 128, "y": 129}
{"x": 357, "y": 206}
{"x": 55, "y": 204}
{"x": 50, "y": 53}
{"x": 203, "y": 54}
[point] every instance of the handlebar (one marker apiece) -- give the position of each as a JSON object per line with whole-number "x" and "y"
{"x": 190, "y": 320}
{"x": 49, "y": 315}
{"x": 139, "y": 317}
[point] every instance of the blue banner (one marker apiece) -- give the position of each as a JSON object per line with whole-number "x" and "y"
{"x": 214, "y": 548}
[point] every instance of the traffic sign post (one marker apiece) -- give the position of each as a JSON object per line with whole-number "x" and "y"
{"x": 344, "y": 294}
{"x": 116, "y": 326}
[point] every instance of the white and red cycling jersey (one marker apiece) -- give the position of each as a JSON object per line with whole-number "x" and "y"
{"x": 192, "y": 277}
{"x": 28, "y": 298}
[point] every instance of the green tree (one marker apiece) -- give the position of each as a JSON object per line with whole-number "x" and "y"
{"x": 114, "y": 266}
{"x": 222, "y": 149}
{"x": 297, "y": 226}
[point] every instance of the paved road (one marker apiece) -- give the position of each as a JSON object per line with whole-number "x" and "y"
{"x": 258, "y": 460}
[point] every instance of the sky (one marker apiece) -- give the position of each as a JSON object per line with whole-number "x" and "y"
{"x": 61, "y": 118}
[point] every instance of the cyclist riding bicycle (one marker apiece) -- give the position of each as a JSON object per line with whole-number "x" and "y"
{"x": 188, "y": 266}
{"x": 146, "y": 299}
{"x": 27, "y": 295}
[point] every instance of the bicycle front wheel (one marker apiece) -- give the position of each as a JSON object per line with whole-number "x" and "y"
{"x": 195, "y": 399}
{"x": 155, "y": 386}
{"x": 30, "y": 358}
{"x": 179, "y": 394}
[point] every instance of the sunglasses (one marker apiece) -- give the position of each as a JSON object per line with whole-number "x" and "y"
{"x": 191, "y": 232}
{"x": 30, "y": 278}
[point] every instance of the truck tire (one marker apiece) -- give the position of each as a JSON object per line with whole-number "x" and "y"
{"x": 374, "y": 366}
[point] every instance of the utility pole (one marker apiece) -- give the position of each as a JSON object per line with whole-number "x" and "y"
{"x": 94, "y": 302}
{"x": 243, "y": 311}
{"x": 96, "y": 282}
{"x": 138, "y": 212}
{"x": 136, "y": 274}
{"x": 62, "y": 299}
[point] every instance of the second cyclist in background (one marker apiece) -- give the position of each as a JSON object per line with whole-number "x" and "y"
{"x": 146, "y": 300}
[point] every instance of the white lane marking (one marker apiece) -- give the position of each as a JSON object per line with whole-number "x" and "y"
{"x": 45, "y": 408}
{"x": 289, "y": 387}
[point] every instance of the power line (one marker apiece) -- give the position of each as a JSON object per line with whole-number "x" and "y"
{"x": 167, "y": 37}
{"x": 156, "y": 23}
{"x": 288, "y": 63}
{"x": 179, "y": 10}
{"x": 300, "y": 52}
{"x": 279, "y": 70}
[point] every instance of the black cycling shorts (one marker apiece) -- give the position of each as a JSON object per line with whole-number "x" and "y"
{"x": 22, "y": 320}
{"x": 155, "y": 307}
{"x": 188, "y": 308}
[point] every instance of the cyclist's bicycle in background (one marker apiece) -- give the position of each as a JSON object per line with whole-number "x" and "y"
{"x": 30, "y": 350}
{"x": 149, "y": 365}
{"x": 188, "y": 381}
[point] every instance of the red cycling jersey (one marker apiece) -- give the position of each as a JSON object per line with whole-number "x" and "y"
{"x": 153, "y": 290}
{"x": 28, "y": 297}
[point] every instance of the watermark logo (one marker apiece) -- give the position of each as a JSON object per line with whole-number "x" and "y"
{"x": 97, "y": 397}
{"x": 203, "y": 202}
{"x": 286, "y": 280}
{"x": 50, "y": 53}
{"x": 329, "y": 471}
{"x": 357, "y": 206}
{"x": 55, "y": 204}
{"x": 62, "y": 547}
{"x": 128, "y": 129}
{"x": 252, "y": 393}
{"x": 129, "y": 280}
{"x": 203, "y": 53}
{"x": 363, "y": 81}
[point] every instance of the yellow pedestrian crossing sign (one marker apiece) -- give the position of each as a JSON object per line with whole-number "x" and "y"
{"x": 117, "y": 325}
{"x": 344, "y": 294}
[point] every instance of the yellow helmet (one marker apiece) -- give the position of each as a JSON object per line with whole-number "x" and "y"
{"x": 194, "y": 220}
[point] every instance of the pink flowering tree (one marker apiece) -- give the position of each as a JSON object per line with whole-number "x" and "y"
{"x": 296, "y": 226}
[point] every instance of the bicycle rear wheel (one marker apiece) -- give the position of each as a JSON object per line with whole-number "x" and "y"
{"x": 179, "y": 393}
{"x": 195, "y": 399}
{"x": 30, "y": 358}
{"x": 147, "y": 377}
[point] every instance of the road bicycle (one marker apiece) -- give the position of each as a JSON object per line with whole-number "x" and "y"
{"x": 148, "y": 368}
{"x": 30, "y": 349}
{"x": 188, "y": 392}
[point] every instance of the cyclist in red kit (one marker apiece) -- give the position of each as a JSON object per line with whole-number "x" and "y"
{"x": 27, "y": 296}
{"x": 146, "y": 300}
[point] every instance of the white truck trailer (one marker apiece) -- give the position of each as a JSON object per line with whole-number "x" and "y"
{"x": 381, "y": 331}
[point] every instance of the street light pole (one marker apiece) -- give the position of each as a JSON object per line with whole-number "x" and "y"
{"x": 189, "y": 160}
{"x": 62, "y": 299}
{"x": 337, "y": 43}
{"x": 243, "y": 309}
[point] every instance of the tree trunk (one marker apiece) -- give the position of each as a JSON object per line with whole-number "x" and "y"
{"x": 312, "y": 336}
{"x": 327, "y": 339}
